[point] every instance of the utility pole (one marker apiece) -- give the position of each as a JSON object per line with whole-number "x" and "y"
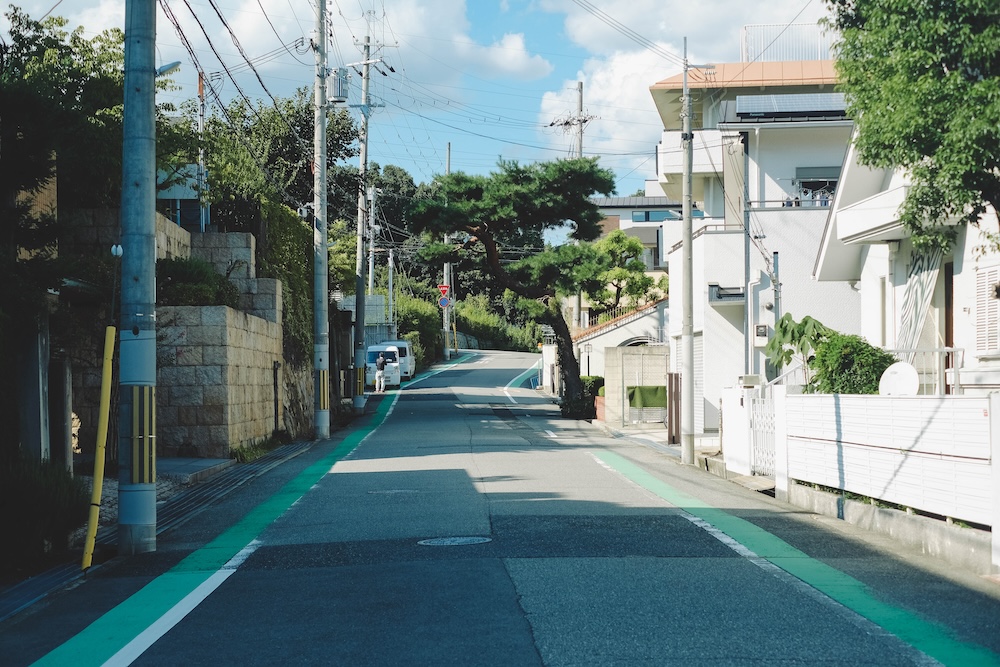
{"x": 580, "y": 117}
{"x": 393, "y": 330}
{"x": 321, "y": 269}
{"x": 687, "y": 268}
{"x": 137, "y": 380}
{"x": 359, "y": 282}
{"x": 202, "y": 180}
{"x": 580, "y": 120}
{"x": 747, "y": 322}
{"x": 372, "y": 227}
{"x": 578, "y": 302}
{"x": 446, "y": 311}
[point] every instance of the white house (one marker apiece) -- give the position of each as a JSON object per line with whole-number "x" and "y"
{"x": 773, "y": 135}
{"x": 937, "y": 311}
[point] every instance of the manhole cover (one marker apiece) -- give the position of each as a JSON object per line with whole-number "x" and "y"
{"x": 454, "y": 541}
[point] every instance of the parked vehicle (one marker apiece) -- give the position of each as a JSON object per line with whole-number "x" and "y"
{"x": 391, "y": 353}
{"x": 407, "y": 362}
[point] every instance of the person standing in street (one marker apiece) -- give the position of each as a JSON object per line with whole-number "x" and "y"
{"x": 380, "y": 374}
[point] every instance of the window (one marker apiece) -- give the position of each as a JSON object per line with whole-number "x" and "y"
{"x": 987, "y": 310}
{"x": 655, "y": 216}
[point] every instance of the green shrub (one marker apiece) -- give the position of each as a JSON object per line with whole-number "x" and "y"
{"x": 847, "y": 364}
{"x": 420, "y": 359}
{"x": 193, "y": 282}
{"x": 285, "y": 252}
{"x": 419, "y": 322}
{"x": 42, "y": 504}
{"x": 592, "y": 384}
{"x": 475, "y": 316}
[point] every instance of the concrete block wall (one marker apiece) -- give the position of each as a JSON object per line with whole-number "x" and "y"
{"x": 215, "y": 380}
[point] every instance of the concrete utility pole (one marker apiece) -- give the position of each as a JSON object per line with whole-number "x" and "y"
{"x": 202, "y": 203}
{"x": 371, "y": 239}
{"x": 747, "y": 322}
{"x": 359, "y": 283}
{"x": 687, "y": 268}
{"x": 321, "y": 269}
{"x": 578, "y": 301}
{"x": 446, "y": 311}
{"x": 137, "y": 380}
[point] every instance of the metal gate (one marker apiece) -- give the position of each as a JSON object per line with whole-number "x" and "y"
{"x": 650, "y": 393}
{"x": 762, "y": 432}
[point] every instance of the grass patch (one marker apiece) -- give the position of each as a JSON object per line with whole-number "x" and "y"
{"x": 259, "y": 449}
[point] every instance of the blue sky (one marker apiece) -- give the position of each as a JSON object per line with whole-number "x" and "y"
{"x": 488, "y": 76}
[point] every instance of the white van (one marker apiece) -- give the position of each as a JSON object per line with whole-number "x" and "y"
{"x": 391, "y": 353}
{"x": 407, "y": 362}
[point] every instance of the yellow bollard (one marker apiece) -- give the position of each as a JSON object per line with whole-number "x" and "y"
{"x": 102, "y": 439}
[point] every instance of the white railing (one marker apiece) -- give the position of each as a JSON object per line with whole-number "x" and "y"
{"x": 938, "y": 369}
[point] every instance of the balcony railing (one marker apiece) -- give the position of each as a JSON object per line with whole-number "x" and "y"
{"x": 938, "y": 369}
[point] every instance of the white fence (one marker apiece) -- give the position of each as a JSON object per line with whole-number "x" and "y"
{"x": 934, "y": 454}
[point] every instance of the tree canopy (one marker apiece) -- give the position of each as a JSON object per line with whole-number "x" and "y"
{"x": 923, "y": 84}
{"x": 621, "y": 280}
{"x": 512, "y": 208}
{"x": 255, "y": 151}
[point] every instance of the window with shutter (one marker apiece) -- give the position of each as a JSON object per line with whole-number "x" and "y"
{"x": 987, "y": 310}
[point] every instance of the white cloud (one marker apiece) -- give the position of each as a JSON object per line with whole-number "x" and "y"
{"x": 618, "y": 75}
{"x": 713, "y": 27}
{"x": 507, "y": 57}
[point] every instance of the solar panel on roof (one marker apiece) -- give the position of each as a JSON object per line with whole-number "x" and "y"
{"x": 805, "y": 104}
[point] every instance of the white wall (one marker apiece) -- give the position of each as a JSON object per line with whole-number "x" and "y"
{"x": 718, "y": 257}
{"x": 776, "y": 151}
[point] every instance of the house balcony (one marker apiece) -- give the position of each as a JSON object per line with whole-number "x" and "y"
{"x": 873, "y": 220}
{"x": 706, "y": 162}
{"x": 719, "y": 297}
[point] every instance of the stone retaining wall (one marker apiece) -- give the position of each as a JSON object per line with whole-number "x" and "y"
{"x": 215, "y": 380}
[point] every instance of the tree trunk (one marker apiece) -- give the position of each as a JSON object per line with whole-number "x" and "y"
{"x": 569, "y": 366}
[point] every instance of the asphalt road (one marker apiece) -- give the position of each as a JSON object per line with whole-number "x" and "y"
{"x": 463, "y": 522}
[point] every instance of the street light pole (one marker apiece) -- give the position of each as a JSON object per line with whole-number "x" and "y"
{"x": 137, "y": 379}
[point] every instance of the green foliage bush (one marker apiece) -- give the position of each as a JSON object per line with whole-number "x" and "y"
{"x": 286, "y": 252}
{"x": 42, "y": 504}
{"x": 193, "y": 282}
{"x": 592, "y": 385}
{"x": 419, "y": 322}
{"x": 420, "y": 359}
{"x": 847, "y": 364}
{"x": 475, "y": 316}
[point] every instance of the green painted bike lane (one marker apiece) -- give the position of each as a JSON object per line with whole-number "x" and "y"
{"x": 106, "y": 637}
{"x": 926, "y": 636}
{"x": 109, "y": 634}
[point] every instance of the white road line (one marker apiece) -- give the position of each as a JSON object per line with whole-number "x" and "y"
{"x": 135, "y": 648}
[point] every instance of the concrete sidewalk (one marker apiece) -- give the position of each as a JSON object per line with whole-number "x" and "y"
{"x": 191, "y": 470}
